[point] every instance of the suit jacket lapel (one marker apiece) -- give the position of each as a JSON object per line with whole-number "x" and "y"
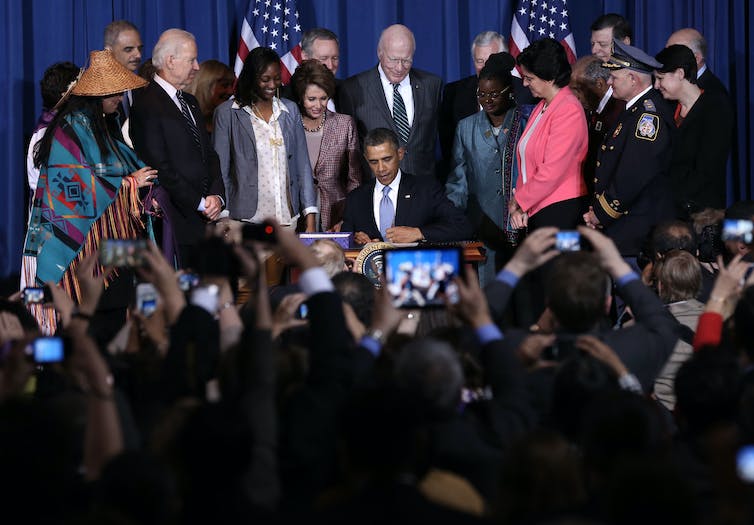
{"x": 418, "y": 93}
{"x": 374, "y": 88}
{"x": 403, "y": 205}
{"x": 244, "y": 120}
{"x": 328, "y": 131}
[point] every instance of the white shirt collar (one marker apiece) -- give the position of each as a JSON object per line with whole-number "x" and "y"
{"x": 393, "y": 185}
{"x": 637, "y": 97}
{"x": 701, "y": 70}
{"x": 605, "y": 98}
{"x": 169, "y": 88}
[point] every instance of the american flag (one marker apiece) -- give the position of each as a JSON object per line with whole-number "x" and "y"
{"x": 273, "y": 24}
{"x": 537, "y": 19}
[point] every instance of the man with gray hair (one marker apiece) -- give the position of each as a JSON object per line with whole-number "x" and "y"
{"x": 696, "y": 42}
{"x": 322, "y": 45}
{"x": 168, "y": 132}
{"x": 123, "y": 39}
{"x": 397, "y": 96}
{"x": 459, "y": 98}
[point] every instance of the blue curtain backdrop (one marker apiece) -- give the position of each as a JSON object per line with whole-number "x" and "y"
{"x": 37, "y": 33}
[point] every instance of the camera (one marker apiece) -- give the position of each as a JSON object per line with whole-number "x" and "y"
{"x": 568, "y": 241}
{"x": 146, "y": 299}
{"x": 263, "y": 232}
{"x": 46, "y": 350}
{"x": 302, "y": 312}
{"x": 738, "y": 230}
{"x": 745, "y": 463}
{"x": 122, "y": 252}
{"x": 188, "y": 281}
{"x": 422, "y": 277}
{"x": 36, "y": 295}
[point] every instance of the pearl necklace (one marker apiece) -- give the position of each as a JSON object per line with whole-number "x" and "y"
{"x": 321, "y": 123}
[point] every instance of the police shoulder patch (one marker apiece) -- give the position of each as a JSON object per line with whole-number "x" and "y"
{"x": 649, "y": 105}
{"x": 648, "y": 127}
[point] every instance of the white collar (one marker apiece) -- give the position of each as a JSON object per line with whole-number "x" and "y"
{"x": 637, "y": 97}
{"x": 605, "y": 98}
{"x": 169, "y": 88}
{"x": 393, "y": 185}
{"x": 701, "y": 70}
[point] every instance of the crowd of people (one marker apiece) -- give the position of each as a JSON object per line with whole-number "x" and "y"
{"x": 595, "y": 367}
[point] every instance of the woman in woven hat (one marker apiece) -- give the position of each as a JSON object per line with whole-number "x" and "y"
{"x": 89, "y": 180}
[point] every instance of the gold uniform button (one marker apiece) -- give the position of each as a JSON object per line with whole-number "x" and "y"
{"x": 596, "y": 180}
{"x": 612, "y": 148}
{"x": 603, "y": 147}
{"x": 598, "y": 164}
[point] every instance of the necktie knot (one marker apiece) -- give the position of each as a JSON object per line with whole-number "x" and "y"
{"x": 385, "y": 191}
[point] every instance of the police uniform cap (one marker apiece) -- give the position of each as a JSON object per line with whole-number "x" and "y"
{"x": 630, "y": 57}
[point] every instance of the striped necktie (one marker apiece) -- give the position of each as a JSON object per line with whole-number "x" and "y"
{"x": 189, "y": 119}
{"x": 400, "y": 118}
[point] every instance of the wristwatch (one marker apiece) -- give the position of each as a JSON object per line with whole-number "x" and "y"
{"x": 377, "y": 334}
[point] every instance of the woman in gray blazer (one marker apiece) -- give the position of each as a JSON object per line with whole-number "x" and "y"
{"x": 262, "y": 148}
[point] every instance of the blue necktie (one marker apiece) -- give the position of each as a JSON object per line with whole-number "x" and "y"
{"x": 387, "y": 212}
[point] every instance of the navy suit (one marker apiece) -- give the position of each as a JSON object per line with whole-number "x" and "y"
{"x": 362, "y": 97}
{"x": 421, "y": 203}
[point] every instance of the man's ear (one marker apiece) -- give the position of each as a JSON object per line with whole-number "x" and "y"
{"x": 401, "y": 153}
{"x": 626, "y": 40}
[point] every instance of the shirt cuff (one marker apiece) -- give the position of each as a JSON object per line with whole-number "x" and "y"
{"x": 310, "y": 209}
{"x": 623, "y": 280}
{"x": 630, "y": 383}
{"x": 371, "y": 344}
{"x": 201, "y": 206}
{"x": 222, "y": 201}
{"x": 315, "y": 280}
{"x": 508, "y": 277}
{"x": 488, "y": 333}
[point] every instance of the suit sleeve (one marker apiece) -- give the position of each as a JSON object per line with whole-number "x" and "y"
{"x": 221, "y": 142}
{"x": 447, "y": 222}
{"x": 150, "y": 140}
{"x": 643, "y": 159}
{"x": 307, "y": 194}
{"x": 567, "y": 134}
{"x": 457, "y": 187}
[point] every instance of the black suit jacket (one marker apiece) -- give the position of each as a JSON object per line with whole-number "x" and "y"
{"x": 459, "y": 101}
{"x": 163, "y": 139}
{"x": 708, "y": 81}
{"x": 700, "y": 155}
{"x": 421, "y": 204}
{"x": 362, "y": 97}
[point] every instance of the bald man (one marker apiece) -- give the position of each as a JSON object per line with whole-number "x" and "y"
{"x": 695, "y": 41}
{"x": 397, "y": 96}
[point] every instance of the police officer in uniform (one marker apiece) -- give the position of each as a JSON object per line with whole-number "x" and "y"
{"x": 632, "y": 189}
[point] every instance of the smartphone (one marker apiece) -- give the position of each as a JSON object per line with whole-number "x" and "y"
{"x": 122, "y": 252}
{"x": 738, "y": 230}
{"x": 568, "y": 241}
{"x": 207, "y": 297}
{"x": 263, "y": 232}
{"x": 146, "y": 299}
{"x": 36, "y": 295}
{"x": 46, "y": 350}
{"x": 302, "y": 312}
{"x": 745, "y": 463}
{"x": 422, "y": 277}
{"x": 187, "y": 281}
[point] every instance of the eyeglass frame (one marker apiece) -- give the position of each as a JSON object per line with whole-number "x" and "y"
{"x": 494, "y": 95}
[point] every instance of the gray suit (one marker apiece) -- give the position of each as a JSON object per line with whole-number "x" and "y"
{"x": 362, "y": 97}
{"x": 235, "y": 145}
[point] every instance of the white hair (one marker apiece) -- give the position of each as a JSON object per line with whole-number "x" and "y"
{"x": 486, "y": 38}
{"x": 170, "y": 43}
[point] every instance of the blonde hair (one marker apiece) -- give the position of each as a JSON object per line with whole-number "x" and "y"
{"x": 203, "y": 85}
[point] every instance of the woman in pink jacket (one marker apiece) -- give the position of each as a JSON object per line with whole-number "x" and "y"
{"x": 550, "y": 189}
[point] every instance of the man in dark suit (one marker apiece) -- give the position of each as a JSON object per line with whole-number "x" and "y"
{"x": 694, "y": 40}
{"x": 459, "y": 98}
{"x": 396, "y": 206}
{"x": 397, "y": 96}
{"x": 168, "y": 132}
{"x": 632, "y": 190}
{"x": 589, "y": 82}
{"x": 322, "y": 45}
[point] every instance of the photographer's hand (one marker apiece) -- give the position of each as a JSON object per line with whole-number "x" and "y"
{"x": 159, "y": 272}
{"x": 472, "y": 304}
{"x": 533, "y": 252}
{"x": 610, "y": 258}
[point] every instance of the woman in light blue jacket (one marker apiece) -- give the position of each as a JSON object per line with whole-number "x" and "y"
{"x": 484, "y": 163}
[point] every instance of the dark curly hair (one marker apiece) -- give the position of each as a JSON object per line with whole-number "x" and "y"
{"x": 259, "y": 59}
{"x": 547, "y": 59}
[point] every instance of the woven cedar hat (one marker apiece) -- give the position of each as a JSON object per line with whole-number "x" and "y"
{"x": 105, "y": 76}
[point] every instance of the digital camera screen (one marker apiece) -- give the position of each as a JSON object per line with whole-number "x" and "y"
{"x": 422, "y": 277}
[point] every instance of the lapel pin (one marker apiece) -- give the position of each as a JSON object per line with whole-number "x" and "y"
{"x": 407, "y": 196}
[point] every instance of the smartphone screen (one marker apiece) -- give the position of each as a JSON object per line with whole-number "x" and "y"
{"x": 122, "y": 252}
{"x": 738, "y": 230}
{"x": 422, "y": 277}
{"x": 47, "y": 350}
{"x": 36, "y": 295}
{"x": 568, "y": 241}
{"x": 146, "y": 299}
{"x": 206, "y": 297}
{"x": 188, "y": 281}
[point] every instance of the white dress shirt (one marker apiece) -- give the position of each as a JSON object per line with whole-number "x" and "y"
{"x": 404, "y": 88}
{"x": 377, "y": 196}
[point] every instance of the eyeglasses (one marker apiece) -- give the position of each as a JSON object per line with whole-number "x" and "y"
{"x": 405, "y": 62}
{"x": 494, "y": 95}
